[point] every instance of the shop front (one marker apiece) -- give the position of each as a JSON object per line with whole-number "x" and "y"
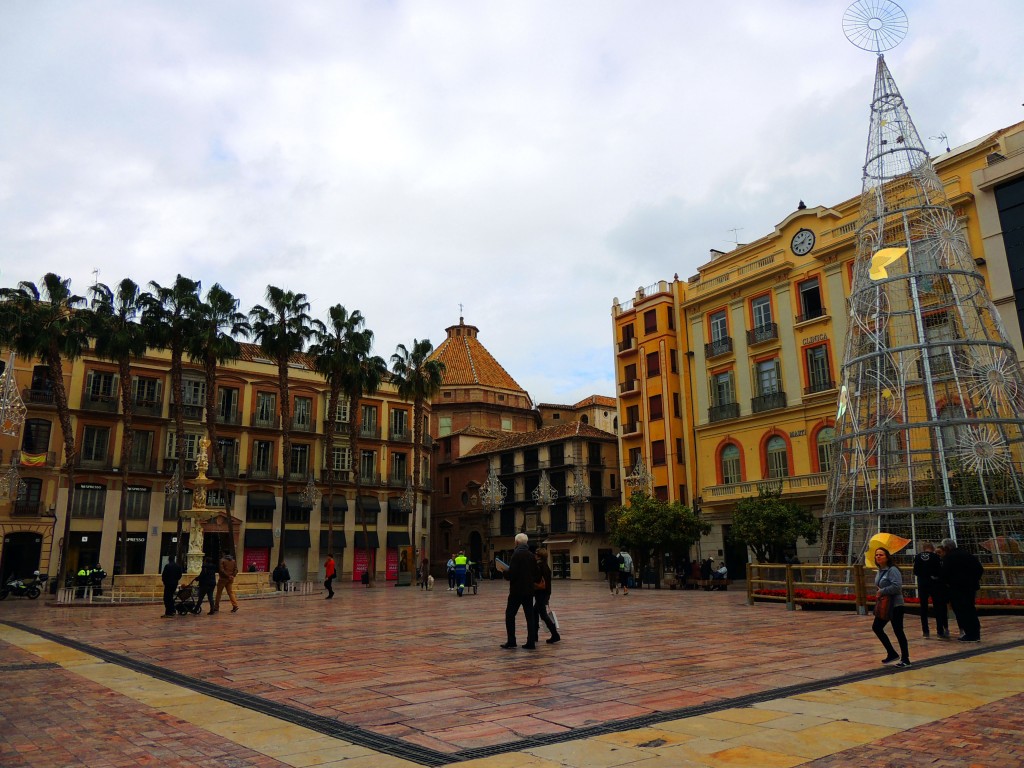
{"x": 256, "y": 548}
{"x": 363, "y": 562}
{"x": 295, "y": 546}
{"x": 398, "y": 557}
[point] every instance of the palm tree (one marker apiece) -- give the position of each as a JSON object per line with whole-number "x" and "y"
{"x": 335, "y": 344}
{"x": 282, "y": 330}
{"x": 217, "y": 322}
{"x": 169, "y": 325}
{"x": 50, "y": 325}
{"x": 119, "y": 337}
{"x": 418, "y": 378}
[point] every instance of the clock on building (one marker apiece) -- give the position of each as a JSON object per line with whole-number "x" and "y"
{"x": 802, "y": 242}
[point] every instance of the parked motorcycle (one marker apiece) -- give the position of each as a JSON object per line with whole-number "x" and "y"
{"x": 30, "y": 588}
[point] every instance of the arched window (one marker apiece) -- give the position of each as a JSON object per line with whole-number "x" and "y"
{"x": 778, "y": 460}
{"x": 824, "y": 442}
{"x": 731, "y": 472}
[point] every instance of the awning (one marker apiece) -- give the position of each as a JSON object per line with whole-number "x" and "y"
{"x": 260, "y": 501}
{"x": 338, "y": 542}
{"x": 370, "y": 504}
{"x": 259, "y": 538}
{"x": 398, "y": 539}
{"x": 360, "y": 542}
{"x": 296, "y": 502}
{"x": 340, "y": 503}
{"x": 549, "y": 542}
{"x": 395, "y": 505}
{"x": 296, "y": 539}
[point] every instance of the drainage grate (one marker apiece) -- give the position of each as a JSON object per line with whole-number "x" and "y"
{"x": 428, "y": 757}
{"x": 34, "y": 665}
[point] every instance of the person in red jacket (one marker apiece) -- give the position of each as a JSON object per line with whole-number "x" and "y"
{"x": 329, "y": 573}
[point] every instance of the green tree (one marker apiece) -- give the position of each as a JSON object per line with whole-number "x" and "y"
{"x": 282, "y": 329}
{"x": 168, "y": 320}
{"x": 50, "y": 324}
{"x": 649, "y": 527}
{"x": 770, "y": 525}
{"x": 120, "y": 337}
{"x": 418, "y": 378}
{"x": 216, "y": 323}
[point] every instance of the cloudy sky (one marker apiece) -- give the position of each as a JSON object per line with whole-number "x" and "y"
{"x": 529, "y": 161}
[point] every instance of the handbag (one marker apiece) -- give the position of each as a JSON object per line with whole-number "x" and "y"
{"x": 541, "y": 585}
{"x": 883, "y": 607}
{"x": 554, "y": 619}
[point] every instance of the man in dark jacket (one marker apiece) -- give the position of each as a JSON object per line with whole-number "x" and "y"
{"x": 522, "y": 575}
{"x": 961, "y": 573}
{"x": 170, "y": 576}
{"x": 928, "y": 572}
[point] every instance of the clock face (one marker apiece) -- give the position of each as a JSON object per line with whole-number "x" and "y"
{"x": 802, "y": 242}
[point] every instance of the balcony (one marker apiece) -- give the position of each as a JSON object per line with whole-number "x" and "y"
{"x": 304, "y": 425}
{"x": 813, "y": 314}
{"x": 29, "y": 459}
{"x": 369, "y": 478}
{"x": 340, "y": 475}
{"x": 144, "y": 464}
{"x": 189, "y": 411}
{"x": 400, "y": 435}
{"x": 811, "y": 483}
{"x": 632, "y": 428}
{"x": 43, "y": 396}
{"x": 762, "y": 334}
{"x": 262, "y": 472}
{"x": 723, "y": 412}
{"x": 266, "y": 421}
{"x": 768, "y": 402}
{"x": 339, "y": 426}
{"x": 148, "y": 407}
{"x": 101, "y": 463}
{"x": 626, "y": 345}
{"x": 399, "y": 481}
{"x": 722, "y": 346}
{"x": 627, "y": 387}
{"x": 580, "y": 526}
{"x": 823, "y": 385}
{"x": 428, "y": 441}
{"x": 370, "y": 431}
{"x": 27, "y": 509}
{"x": 189, "y": 466}
{"x": 232, "y": 417}
{"x": 100, "y": 403}
{"x": 230, "y": 467}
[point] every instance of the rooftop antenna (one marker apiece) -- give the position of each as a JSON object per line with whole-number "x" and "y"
{"x": 734, "y": 230}
{"x": 943, "y": 138}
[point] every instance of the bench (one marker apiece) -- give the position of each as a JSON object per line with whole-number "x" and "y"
{"x": 718, "y": 585}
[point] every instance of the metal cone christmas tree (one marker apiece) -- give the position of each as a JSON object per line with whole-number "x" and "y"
{"x": 930, "y": 421}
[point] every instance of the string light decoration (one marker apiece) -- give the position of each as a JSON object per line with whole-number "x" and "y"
{"x": 12, "y": 407}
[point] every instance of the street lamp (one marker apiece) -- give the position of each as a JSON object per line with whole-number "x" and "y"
{"x": 492, "y": 498}
{"x": 311, "y": 494}
{"x": 12, "y": 407}
{"x": 639, "y": 479}
{"x": 579, "y": 495}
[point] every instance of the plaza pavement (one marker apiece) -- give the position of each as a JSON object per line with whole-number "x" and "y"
{"x": 400, "y": 677}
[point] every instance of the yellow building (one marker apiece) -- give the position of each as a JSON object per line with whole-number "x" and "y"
{"x": 753, "y": 344}
{"x": 248, "y": 418}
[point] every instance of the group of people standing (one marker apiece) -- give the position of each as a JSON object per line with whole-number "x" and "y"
{"x": 620, "y": 572}
{"x": 947, "y": 575}
{"x": 529, "y": 577}
{"x": 220, "y": 577}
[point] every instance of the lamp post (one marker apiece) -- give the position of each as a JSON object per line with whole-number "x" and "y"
{"x": 578, "y": 496}
{"x": 492, "y": 498}
{"x": 544, "y": 494}
{"x": 639, "y": 479}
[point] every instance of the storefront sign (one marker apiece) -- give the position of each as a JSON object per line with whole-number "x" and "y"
{"x": 815, "y": 339}
{"x": 798, "y": 433}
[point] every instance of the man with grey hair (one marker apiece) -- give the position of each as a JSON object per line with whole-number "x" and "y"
{"x": 961, "y": 573}
{"x": 522, "y": 575}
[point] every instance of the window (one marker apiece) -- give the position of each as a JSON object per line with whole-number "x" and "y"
{"x": 653, "y": 364}
{"x": 100, "y": 385}
{"x": 651, "y": 321}
{"x": 632, "y": 419}
{"x": 215, "y": 498}
{"x": 778, "y": 459}
{"x": 90, "y": 499}
{"x": 767, "y": 376}
{"x": 731, "y": 464}
{"x": 399, "y": 468}
{"x": 365, "y": 516}
{"x": 36, "y": 437}
{"x": 300, "y": 460}
{"x": 227, "y": 404}
{"x": 399, "y": 424}
{"x": 136, "y": 502}
{"x": 761, "y": 308}
{"x": 341, "y": 410}
{"x": 673, "y": 360}
{"x": 368, "y": 466}
{"x": 42, "y": 387}
{"x": 658, "y": 453}
{"x": 303, "y": 417}
{"x": 810, "y": 300}
{"x": 676, "y": 408}
{"x": 679, "y": 450}
{"x": 145, "y": 390}
{"x": 171, "y": 504}
{"x": 556, "y": 454}
{"x": 719, "y": 327}
{"x": 447, "y": 485}
{"x": 671, "y": 319}
{"x": 506, "y": 424}
{"x": 228, "y": 448}
{"x": 94, "y": 443}
{"x": 655, "y": 407}
{"x": 627, "y": 336}
{"x": 630, "y": 374}
{"x": 266, "y": 409}
{"x": 342, "y": 459}
{"x": 193, "y": 392}
{"x": 142, "y": 449}
{"x": 444, "y": 425}
{"x": 723, "y": 392}
{"x": 368, "y": 426}
{"x": 819, "y": 378}
{"x": 262, "y": 455}
{"x": 937, "y": 329}
{"x": 29, "y": 496}
{"x": 189, "y": 446}
{"x": 825, "y": 445}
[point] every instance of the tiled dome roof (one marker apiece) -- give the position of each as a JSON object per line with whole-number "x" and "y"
{"x": 467, "y": 361}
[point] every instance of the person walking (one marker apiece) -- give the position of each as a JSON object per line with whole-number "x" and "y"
{"x": 281, "y": 576}
{"x": 961, "y": 573}
{"x": 207, "y": 583}
{"x": 889, "y": 582}
{"x": 928, "y": 572}
{"x": 522, "y": 575}
{"x": 227, "y": 569}
{"x": 330, "y": 571}
{"x": 451, "y": 572}
{"x": 625, "y": 570}
{"x": 461, "y": 568}
{"x": 424, "y": 572}
{"x": 542, "y": 598}
{"x": 170, "y": 576}
{"x": 611, "y": 567}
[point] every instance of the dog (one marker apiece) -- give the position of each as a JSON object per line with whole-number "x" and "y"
{"x": 430, "y": 582}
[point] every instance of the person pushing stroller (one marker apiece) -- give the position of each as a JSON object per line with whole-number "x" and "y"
{"x": 462, "y": 564}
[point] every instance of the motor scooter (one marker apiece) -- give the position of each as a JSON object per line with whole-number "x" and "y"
{"x": 30, "y": 588}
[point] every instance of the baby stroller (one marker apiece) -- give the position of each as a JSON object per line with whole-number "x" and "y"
{"x": 186, "y": 599}
{"x": 465, "y": 579}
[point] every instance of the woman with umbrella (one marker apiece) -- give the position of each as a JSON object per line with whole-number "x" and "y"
{"x": 889, "y": 608}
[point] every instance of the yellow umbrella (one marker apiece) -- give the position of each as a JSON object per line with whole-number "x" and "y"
{"x": 889, "y": 541}
{"x": 883, "y": 259}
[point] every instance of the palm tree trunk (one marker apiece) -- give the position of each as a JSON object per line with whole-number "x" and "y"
{"x": 179, "y": 443}
{"x": 332, "y": 409}
{"x": 354, "y": 419}
{"x": 417, "y": 419}
{"x": 286, "y": 446}
{"x": 60, "y": 395}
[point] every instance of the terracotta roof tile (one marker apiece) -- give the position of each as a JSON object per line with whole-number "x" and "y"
{"x": 513, "y": 440}
{"x": 467, "y": 361}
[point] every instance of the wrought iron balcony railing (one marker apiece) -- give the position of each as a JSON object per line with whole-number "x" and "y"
{"x": 768, "y": 402}
{"x": 722, "y": 346}
{"x": 763, "y": 333}
{"x": 724, "y": 411}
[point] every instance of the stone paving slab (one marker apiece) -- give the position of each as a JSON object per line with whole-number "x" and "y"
{"x": 424, "y": 668}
